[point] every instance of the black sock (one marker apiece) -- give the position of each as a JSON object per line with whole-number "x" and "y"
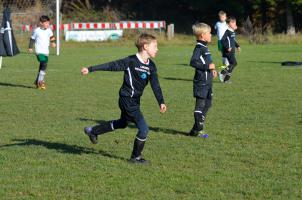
{"x": 226, "y": 78}
{"x": 138, "y": 147}
{"x": 102, "y": 128}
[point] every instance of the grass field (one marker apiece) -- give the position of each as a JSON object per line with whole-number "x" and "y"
{"x": 253, "y": 152}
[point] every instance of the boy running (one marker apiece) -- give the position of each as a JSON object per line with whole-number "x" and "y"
{"x": 229, "y": 45}
{"x": 138, "y": 69}
{"x": 42, "y": 37}
{"x": 220, "y": 27}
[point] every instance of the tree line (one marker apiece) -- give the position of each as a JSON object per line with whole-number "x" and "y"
{"x": 276, "y": 16}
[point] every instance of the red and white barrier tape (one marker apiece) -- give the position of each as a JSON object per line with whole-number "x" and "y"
{"x": 106, "y": 25}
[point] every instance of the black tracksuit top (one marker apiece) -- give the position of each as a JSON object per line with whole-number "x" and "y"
{"x": 136, "y": 76}
{"x": 201, "y": 59}
{"x": 229, "y": 41}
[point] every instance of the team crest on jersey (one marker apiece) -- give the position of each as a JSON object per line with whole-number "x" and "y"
{"x": 144, "y": 76}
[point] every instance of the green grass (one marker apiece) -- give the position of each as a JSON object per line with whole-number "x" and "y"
{"x": 253, "y": 152}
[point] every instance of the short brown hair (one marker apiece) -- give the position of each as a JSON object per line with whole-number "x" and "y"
{"x": 44, "y": 18}
{"x": 220, "y": 13}
{"x": 230, "y": 19}
{"x": 143, "y": 39}
{"x": 200, "y": 28}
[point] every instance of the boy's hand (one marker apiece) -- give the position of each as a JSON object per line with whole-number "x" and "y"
{"x": 84, "y": 71}
{"x": 53, "y": 45}
{"x": 211, "y": 66}
{"x": 163, "y": 108}
{"x": 229, "y": 49}
{"x": 239, "y": 49}
{"x": 30, "y": 50}
{"x": 214, "y": 73}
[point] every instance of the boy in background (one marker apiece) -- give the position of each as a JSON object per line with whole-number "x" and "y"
{"x": 138, "y": 69}
{"x": 229, "y": 45}
{"x": 204, "y": 73}
{"x": 42, "y": 37}
{"x": 220, "y": 27}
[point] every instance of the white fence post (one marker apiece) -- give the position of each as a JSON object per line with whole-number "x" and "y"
{"x": 170, "y": 31}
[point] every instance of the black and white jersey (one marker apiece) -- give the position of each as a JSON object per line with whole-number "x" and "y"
{"x": 201, "y": 59}
{"x": 137, "y": 74}
{"x": 229, "y": 41}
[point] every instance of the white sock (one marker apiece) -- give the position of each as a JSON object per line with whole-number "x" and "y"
{"x": 41, "y": 76}
{"x": 225, "y": 61}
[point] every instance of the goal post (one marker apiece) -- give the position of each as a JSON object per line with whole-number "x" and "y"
{"x": 25, "y": 16}
{"x": 58, "y": 25}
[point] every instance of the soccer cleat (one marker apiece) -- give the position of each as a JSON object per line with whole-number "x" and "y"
{"x": 93, "y": 138}
{"x": 41, "y": 85}
{"x": 138, "y": 160}
{"x": 201, "y": 134}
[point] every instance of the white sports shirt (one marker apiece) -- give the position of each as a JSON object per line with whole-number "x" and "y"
{"x": 220, "y": 27}
{"x": 42, "y": 40}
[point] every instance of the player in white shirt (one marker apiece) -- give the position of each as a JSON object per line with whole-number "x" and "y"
{"x": 220, "y": 27}
{"x": 42, "y": 37}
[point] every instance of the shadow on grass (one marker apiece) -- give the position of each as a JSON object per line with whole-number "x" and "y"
{"x": 267, "y": 62}
{"x": 91, "y": 120}
{"x": 16, "y": 85}
{"x": 132, "y": 126}
{"x": 183, "y": 64}
{"x": 177, "y": 79}
{"x": 184, "y": 79}
{"x": 61, "y": 147}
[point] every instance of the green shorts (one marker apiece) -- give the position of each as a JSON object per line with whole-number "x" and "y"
{"x": 219, "y": 44}
{"x": 42, "y": 58}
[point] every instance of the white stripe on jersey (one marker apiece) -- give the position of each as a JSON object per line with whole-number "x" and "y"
{"x": 202, "y": 60}
{"x": 229, "y": 42}
{"x": 130, "y": 79}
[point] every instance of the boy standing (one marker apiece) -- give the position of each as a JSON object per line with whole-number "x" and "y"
{"x": 229, "y": 45}
{"x": 204, "y": 73}
{"x": 42, "y": 37}
{"x": 220, "y": 27}
{"x": 138, "y": 70}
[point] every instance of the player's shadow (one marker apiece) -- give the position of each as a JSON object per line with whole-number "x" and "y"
{"x": 155, "y": 129}
{"x": 15, "y": 85}
{"x": 184, "y": 79}
{"x": 60, "y": 147}
{"x": 182, "y": 64}
{"x": 163, "y": 130}
{"x": 91, "y": 120}
{"x": 177, "y": 79}
{"x": 265, "y": 62}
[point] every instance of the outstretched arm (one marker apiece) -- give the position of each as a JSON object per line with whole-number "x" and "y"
{"x": 118, "y": 65}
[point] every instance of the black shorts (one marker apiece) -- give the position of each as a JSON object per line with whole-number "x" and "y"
{"x": 203, "y": 91}
{"x": 231, "y": 58}
{"x": 130, "y": 109}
